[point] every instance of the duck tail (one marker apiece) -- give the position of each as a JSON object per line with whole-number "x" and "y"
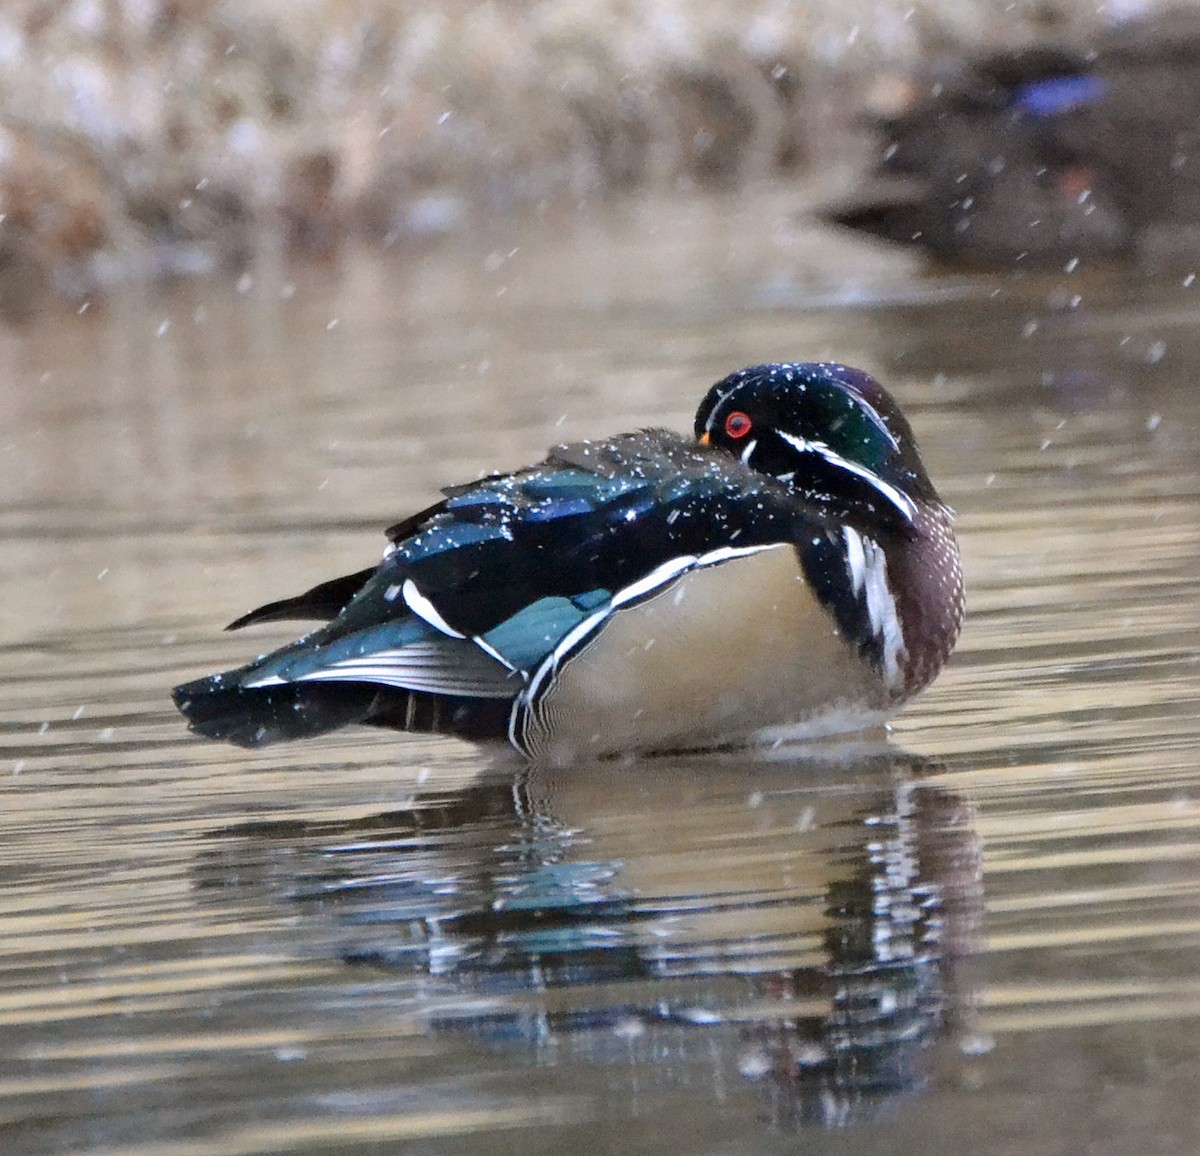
{"x": 220, "y": 707}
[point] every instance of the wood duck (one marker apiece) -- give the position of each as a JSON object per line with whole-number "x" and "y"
{"x": 787, "y": 572}
{"x": 1046, "y": 154}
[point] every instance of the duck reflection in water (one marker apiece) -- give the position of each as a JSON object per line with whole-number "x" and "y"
{"x": 721, "y": 923}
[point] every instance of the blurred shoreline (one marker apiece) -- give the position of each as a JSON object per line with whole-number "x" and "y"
{"x": 149, "y": 139}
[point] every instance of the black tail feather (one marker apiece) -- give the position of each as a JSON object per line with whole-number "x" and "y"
{"x": 218, "y": 707}
{"x": 324, "y": 601}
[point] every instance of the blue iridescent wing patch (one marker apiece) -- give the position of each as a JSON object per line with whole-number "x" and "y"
{"x": 1043, "y": 99}
{"x": 530, "y": 635}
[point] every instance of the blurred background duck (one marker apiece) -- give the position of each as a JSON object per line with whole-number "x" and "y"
{"x": 1047, "y": 153}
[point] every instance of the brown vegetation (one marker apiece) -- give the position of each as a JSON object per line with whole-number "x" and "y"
{"x": 152, "y": 137}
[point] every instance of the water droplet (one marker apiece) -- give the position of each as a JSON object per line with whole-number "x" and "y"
{"x": 976, "y": 1044}
{"x": 754, "y": 1065}
{"x": 809, "y": 1055}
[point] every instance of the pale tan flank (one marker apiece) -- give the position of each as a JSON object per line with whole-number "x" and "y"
{"x": 721, "y": 653}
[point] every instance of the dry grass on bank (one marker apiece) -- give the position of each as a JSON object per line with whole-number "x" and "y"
{"x": 150, "y": 137}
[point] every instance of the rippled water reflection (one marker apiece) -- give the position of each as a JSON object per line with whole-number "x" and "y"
{"x": 984, "y": 936}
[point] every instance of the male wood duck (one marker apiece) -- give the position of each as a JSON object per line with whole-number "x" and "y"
{"x": 787, "y": 572}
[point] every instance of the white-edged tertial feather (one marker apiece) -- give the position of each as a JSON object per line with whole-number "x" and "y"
{"x": 450, "y": 667}
{"x": 423, "y": 608}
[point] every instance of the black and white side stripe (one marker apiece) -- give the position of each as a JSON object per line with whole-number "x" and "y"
{"x": 576, "y": 641}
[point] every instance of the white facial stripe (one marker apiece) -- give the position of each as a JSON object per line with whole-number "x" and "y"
{"x": 801, "y": 444}
{"x": 902, "y": 503}
{"x": 877, "y": 421}
{"x": 712, "y": 414}
{"x": 423, "y": 608}
{"x": 749, "y": 450}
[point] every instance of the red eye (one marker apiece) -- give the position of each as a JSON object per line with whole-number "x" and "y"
{"x": 738, "y": 424}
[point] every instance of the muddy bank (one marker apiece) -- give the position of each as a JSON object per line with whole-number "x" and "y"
{"x": 149, "y": 138}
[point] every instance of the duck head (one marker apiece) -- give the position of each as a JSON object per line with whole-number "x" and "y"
{"x": 831, "y": 433}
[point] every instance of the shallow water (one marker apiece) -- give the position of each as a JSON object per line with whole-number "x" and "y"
{"x": 982, "y": 937}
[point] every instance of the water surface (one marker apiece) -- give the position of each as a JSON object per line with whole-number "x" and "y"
{"x": 983, "y": 936}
